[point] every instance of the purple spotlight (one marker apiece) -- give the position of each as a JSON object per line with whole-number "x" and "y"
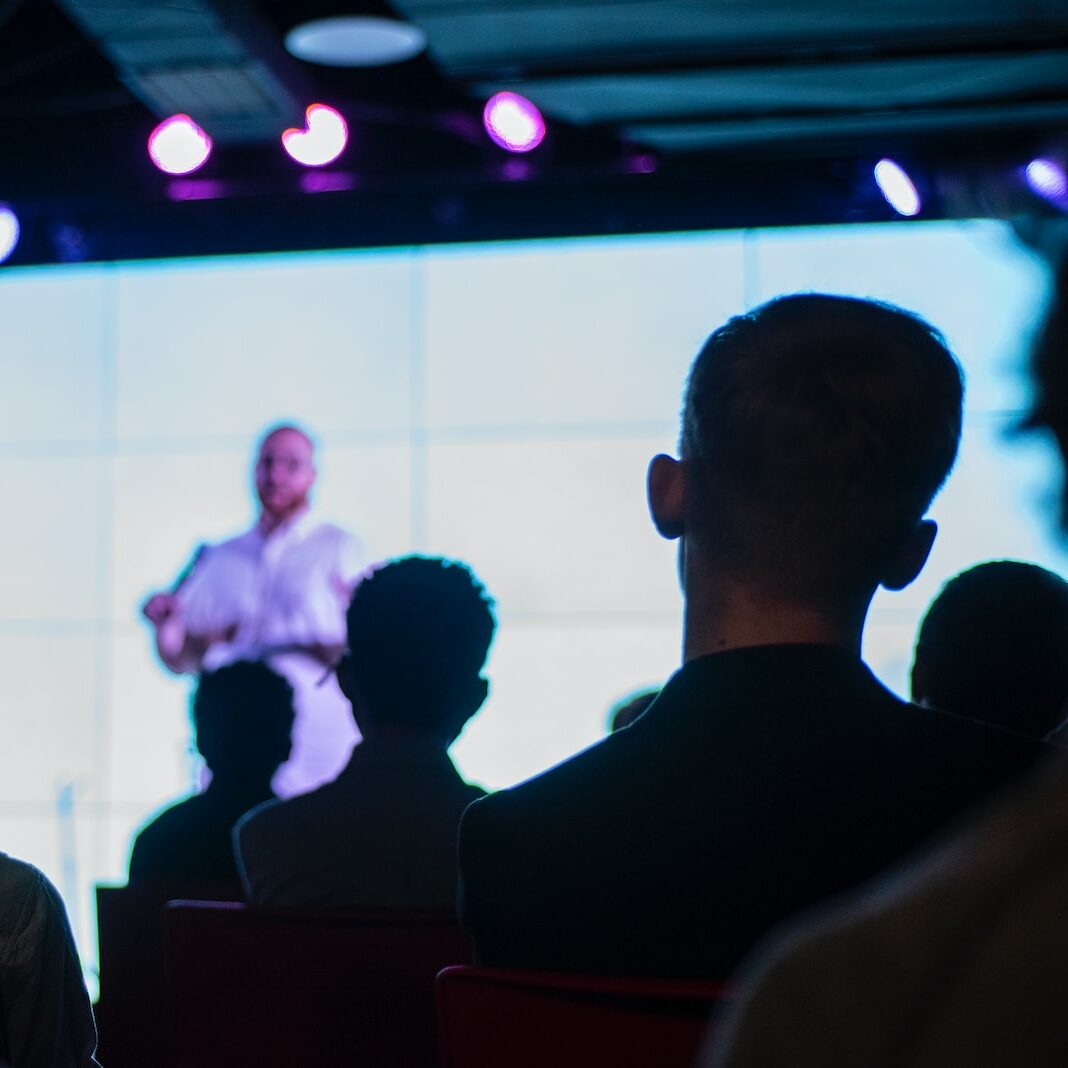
{"x": 327, "y": 181}
{"x": 516, "y": 170}
{"x": 897, "y": 187}
{"x": 196, "y": 189}
{"x": 9, "y": 231}
{"x": 513, "y": 122}
{"x": 178, "y": 145}
{"x": 643, "y": 163}
{"x": 1048, "y": 179}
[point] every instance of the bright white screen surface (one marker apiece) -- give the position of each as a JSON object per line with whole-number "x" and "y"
{"x": 493, "y": 403}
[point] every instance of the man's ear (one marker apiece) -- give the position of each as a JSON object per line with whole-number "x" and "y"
{"x": 666, "y": 490}
{"x": 908, "y": 562}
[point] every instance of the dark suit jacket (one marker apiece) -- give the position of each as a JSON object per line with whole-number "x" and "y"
{"x": 761, "y": 781}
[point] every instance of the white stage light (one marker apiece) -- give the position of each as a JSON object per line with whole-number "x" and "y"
{"x": 322, "y": 140}
{"x": 897, "y": 187}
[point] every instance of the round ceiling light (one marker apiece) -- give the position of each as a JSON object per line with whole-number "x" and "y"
{"x": 355, "y": 41}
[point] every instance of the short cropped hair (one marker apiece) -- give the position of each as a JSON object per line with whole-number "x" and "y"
{"x": 419, "y": 632}
{"x": 243, "y": 715}
{"x": 817, "y": 430}
{"x": 288, "y": 428}
{"x": 994, "y": 646}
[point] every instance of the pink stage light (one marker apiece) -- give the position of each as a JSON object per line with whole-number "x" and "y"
{"x": 1048, "y": 179}
{"x": 322, "y": 140}
{"x": 643, "y": 163}
{"x": 897, "y": 187}
{"x": 9, "y": 231}
{"x": 178, "y": 145}
{"x": 513, "y": 122}
{"x": 328, "y": 181}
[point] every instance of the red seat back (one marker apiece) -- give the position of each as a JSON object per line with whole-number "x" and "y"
{"x": 131, "y": 1012}
{"x": 488, "y": 1018}
{"x": 268, "y": 987}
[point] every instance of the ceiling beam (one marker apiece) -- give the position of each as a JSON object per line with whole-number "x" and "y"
{"x": 215, "y": 61}
{"x": 762, "y": 56}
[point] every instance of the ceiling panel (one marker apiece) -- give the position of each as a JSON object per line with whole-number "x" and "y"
{"x": 469, "y": 36}
{"x": 835, "y": 129}
{"x": 834, "y": 87}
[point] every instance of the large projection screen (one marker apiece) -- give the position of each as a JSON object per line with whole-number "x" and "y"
{"x": 495, "y": 403}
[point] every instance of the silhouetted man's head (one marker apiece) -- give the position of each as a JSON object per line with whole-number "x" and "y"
{"x": 994, "y": 646}
{"x": 816, "y": 432}
{"x": 243, "y": 720}
{"x": 419, "y": 631}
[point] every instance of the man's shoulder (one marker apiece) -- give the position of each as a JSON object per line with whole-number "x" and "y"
{"x": 170, "y": 819}
{"x": 261, "y": 818}
{"x": 558, "y": 788}
{"x": 170, "y": 829}
{"x": 327, "y": 529}
{"x": 18, "y": 878}
{"x": 239, "y": 542}
{"x": 23, "y": 890}
{"x": 211, "y": 557}
{"x": 988, "y": 744}
{"x": 335, "y": 543}
{"x": 281, "y": 816}
{"x": 323, "y": 530}
{"x": 470, "y": 790}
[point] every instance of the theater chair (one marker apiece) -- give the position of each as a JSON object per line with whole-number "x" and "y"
{"x": 273, "y": 988}
{"x": 131, "y": 1011}
{"x": 488, "y": 1018}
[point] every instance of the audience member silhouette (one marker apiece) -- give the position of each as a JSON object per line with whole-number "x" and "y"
{"x": 625, "y": 712}
{"x": 46, "y": 1020}
{"x": 994, "y": 645}
{"x": 958, "y": 959}
{"x": 773, "y": 770}
{"x": 242, "y": 719}
{"x": 384, "y": 832}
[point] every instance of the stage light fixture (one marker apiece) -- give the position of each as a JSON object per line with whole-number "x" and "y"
{"x": 513, "y": 122}
{"x": 1048, "y": 179}
{"x": 179, "y": 146}
{"x": 9, "y": 231}
{"x": 322, "y": 140}
{"x": 355, "y": 41}
{"x": 897, "y": 187}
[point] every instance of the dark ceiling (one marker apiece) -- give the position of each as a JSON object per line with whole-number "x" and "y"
{"x": 663, "y": 114}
